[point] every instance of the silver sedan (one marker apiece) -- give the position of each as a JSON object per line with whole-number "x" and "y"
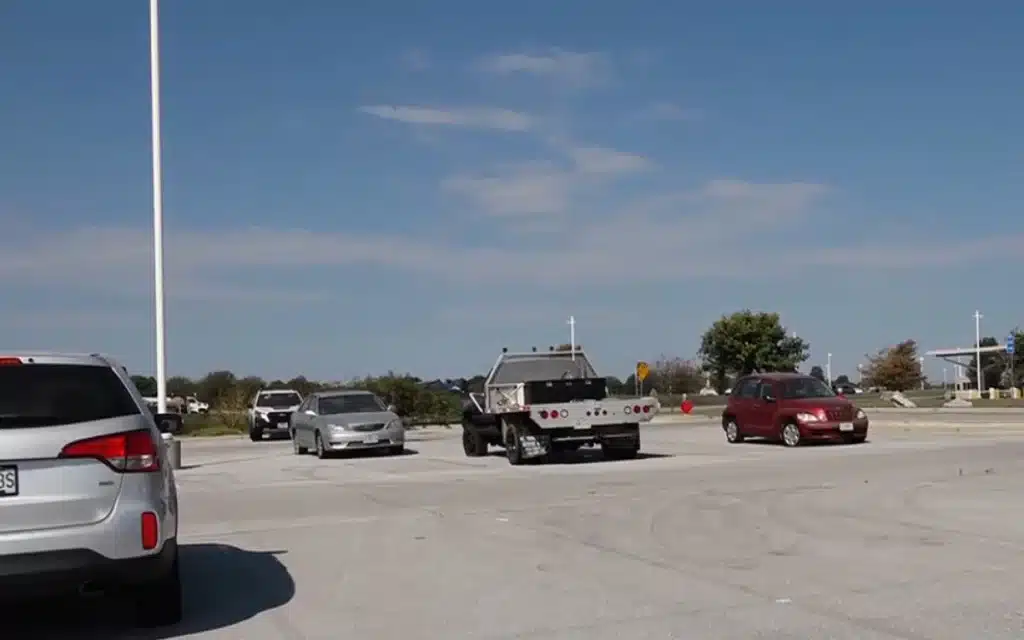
{"x": 334, "y": 421}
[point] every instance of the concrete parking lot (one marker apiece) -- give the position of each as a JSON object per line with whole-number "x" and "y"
{"x": 915, "y": 535}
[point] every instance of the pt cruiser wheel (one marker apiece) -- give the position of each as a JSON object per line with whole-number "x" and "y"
{"x": 732, "y": 432}
{"x": 791, "y": 435}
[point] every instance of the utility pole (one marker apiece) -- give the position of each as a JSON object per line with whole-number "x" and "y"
{"x": 977, "y": 348}
{"x": 921, "y": 370}
{"x": 828, "y": 369}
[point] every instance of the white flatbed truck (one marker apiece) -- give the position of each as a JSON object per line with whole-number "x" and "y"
{"x": 542, "y": 402}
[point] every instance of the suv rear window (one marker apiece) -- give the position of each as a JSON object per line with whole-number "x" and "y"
{"x": 41, "y": 395}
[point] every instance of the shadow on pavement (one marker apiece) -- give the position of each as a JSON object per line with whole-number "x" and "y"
{"x": 358, "y": 454}
{"x": 584, "y": 456}
{"x": 223, "y": 586}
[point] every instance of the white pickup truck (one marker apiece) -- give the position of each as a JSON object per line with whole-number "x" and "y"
{"x": 271, "y": 412}
{"x": 194, "y": 405}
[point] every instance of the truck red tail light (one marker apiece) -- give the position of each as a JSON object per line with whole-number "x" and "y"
{"x": 7, "y": 361}
{"x": 544, "y": 414}
{"x": 636, "y": 408}
{"x": 647, "y": 408}
{"x": 128, "y": 452}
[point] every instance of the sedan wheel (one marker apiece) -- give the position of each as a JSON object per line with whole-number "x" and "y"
{"x": 319, "y": 443}
{"x": 298, "y": 448}
{"x": 791, "y": 435}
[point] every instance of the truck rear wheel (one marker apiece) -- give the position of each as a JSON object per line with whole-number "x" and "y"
{"x": 513, "y": 447}
{"x": 473, "y": 444}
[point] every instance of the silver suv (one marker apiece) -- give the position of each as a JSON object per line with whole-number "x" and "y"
{"x": 87, "y": 497}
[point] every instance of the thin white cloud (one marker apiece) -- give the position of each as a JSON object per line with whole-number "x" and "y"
{"x": 695, "y": 234}
{"x": 527, "y": 189}
{"x": 600, "y": 160}
{"x": 471, "y": 117}
{"x": 667, "y": 111}
{"x": 416, "y": 60}
{"x": 543, "y": 188}
{"x": 568, "y": 68}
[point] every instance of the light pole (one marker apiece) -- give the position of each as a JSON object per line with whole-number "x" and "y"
{"x": 860, "y": 374}
{"x": 158, "y": 213}
{"x": 572, "y": 337}
{"x": 945, "y": 380}
{"x": 977, "y": 347}
{"x": 920, "y": 361}
{"x": 828, "y": 369}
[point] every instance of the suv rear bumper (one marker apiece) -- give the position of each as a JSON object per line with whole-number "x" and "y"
{"x": 44, "y": 572}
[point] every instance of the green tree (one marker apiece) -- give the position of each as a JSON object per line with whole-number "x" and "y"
{"x": 897, "y": 368}
{"x": 843, "y": 379}
{"x": 180, "y": 386}
{"x": 146, "y": 385}
{"x": 1018, "y": 361}
{"x": 747, "y": 342}
{"x": 818, "y": 372}
{"x": 216, "y": 385}
{"x": 675, "y": 375}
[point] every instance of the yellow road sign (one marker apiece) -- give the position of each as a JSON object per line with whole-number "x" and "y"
{"x": 642, "y": 370}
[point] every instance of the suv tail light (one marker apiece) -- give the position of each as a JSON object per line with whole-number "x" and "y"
{"x": 129, "y": 452}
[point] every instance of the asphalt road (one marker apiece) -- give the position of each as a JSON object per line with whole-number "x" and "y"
{"x": 915, "y": 535}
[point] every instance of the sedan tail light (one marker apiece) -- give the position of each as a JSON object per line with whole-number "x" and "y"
{"x": 128, "y": 452}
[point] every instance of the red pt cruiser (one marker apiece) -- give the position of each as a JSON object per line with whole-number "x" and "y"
{"x": 792, "y": 408}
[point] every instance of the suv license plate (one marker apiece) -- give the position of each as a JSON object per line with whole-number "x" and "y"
{"x": 8, "y": 481}
{"x": 846, "y": 426}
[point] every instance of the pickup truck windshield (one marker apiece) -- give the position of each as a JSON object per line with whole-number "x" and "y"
{"x": 280, "y": 400}
{"x": 43, "y": 395}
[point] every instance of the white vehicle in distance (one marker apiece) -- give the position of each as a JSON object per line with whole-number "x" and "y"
{"x": 194, "y": 405}
{"x": 87, "y": 497}
{"x": 271, "y": 412}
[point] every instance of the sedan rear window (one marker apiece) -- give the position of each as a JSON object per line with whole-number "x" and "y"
{"x": 41, "y": 395}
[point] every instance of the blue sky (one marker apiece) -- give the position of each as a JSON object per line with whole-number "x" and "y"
{"x": 357, "y": 187}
